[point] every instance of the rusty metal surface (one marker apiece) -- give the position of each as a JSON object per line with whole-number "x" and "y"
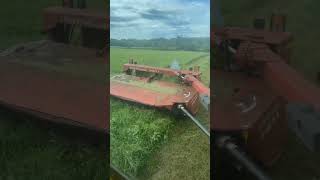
{"x": 288, "y": 83}
{"x": 267, "y": 138}
{"x": 264, "y": 126}
{"x": 255, "y": 53}
{"x": 79, "y": 101}
{"x": 159, "y": 70}
{"x": 157, "y": 93}
{"x": 52, "y": 95}
{"x": 89, "y": 18}
{"x": 272, "y": 63}
{"x": 228, "y": 115}
{"x": 253, "y": 35}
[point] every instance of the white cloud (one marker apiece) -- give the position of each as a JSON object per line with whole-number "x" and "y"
{"x": 146, "y": 19}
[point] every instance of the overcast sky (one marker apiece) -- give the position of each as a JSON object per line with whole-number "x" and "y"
{"x": 147, "y": 19}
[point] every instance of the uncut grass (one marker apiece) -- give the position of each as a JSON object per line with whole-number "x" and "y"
{"x": 136, "y": 132}
{"x": 138, "y": 153}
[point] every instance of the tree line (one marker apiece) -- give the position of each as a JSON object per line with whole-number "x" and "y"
{"x": 178, "y": 43}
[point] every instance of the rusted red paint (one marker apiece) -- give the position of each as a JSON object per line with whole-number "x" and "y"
{"x": 267, "y": 53}
{"x": 229, "y": 89}
{"x": 232, "y": 88}
{"x": 152, "y": 97}
{"x": 74, "y": 101}
{"x": 186, "y": 92}
{"x": 253, "y": 35}
{"x": 159, "y": 70}
{"x": 288, "y": 83}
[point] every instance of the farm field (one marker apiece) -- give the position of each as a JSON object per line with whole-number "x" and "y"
{"x": 150, "y": 143}
{"x": 30, "y": 150}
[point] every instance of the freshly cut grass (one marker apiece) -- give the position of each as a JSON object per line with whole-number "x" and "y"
{"x": 135, "y": 134}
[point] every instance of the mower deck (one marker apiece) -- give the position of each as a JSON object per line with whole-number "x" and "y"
{"x": 51, "y": 95}
{"x": 157, "y": 93}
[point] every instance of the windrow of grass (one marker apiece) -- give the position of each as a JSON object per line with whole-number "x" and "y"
{"x": 137, "y": 132}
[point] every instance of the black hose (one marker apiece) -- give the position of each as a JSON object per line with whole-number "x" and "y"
{"x": 242, "y": 158}
{"x": 194, "y": 120}
{"x": 118, "y": 174}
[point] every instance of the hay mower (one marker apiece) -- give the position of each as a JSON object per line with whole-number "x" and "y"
{"x": 257, "y": 94}
{"x": 146, "y": 85}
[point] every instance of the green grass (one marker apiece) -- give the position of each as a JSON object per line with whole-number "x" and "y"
{"x": 135, "y": 134}
{"x": 120, "y": 56}
{"x": 31, "y": 151}
{"x": 180, "y": 150}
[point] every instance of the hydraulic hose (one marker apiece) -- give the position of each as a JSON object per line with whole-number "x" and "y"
{"x": 226, "y": 144}
{"x": 203, "y": 129}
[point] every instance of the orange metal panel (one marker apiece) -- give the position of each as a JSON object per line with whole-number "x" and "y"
{"x": 76, "y": 101}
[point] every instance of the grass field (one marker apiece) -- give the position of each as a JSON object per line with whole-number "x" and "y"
{"x": 150, "y": 143}
{"x": 297, "y": 162}
{"x": 29, "y": 150}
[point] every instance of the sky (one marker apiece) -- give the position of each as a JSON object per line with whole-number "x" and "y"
{"x": 148, "y": 19}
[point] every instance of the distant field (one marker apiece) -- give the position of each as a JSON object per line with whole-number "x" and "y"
{"x": 151, "y": 143}
{"x": 160, "y": 58}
